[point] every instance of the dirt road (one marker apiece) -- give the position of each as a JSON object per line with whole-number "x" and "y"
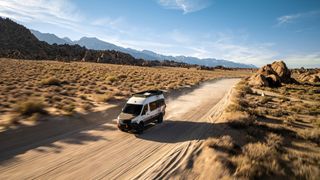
{"x": 103, "y": 152}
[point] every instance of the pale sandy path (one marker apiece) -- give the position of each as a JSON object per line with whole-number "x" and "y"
{"x": 103, "y": 152}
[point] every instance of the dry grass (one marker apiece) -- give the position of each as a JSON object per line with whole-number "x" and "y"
{"x": 30, "y": 107}
{"x": 67, "y": 87}
{"x": 278, "y": 135}
{"x": 239, "y": 120}
{"x": 51, "y": 81}
{"x": 223, "y": 144}
{"x": 104, "y": 97}
{"x": 258, "y": 160}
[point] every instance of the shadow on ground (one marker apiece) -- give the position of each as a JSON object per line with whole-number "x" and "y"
{"x": 175, "y": 131}
{"x": 71, "y": 130}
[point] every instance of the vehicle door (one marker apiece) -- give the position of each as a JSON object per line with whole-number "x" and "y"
{"x": 162, "y": 106}
{"x": 153, "y": 109}
{"x": 145, "y": 113}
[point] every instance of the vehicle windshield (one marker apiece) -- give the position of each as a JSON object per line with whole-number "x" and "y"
{"x": 134, "y": 109}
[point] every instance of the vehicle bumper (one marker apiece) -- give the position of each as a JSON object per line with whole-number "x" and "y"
{"x": 127, "y": 126}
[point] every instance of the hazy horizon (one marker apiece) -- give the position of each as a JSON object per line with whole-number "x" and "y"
{"x": 247, "y": 31}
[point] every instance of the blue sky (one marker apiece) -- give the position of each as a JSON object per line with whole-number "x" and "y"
{"x": 247, "y": 31}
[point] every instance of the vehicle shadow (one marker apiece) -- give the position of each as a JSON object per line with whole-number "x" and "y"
{"x": 70, "y": 130}
{"x": 174, "y": 131}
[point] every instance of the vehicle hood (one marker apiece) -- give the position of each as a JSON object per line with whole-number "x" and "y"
{"x": 126, "y": 116}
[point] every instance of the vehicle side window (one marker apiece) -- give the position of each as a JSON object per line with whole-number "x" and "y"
{"x": 160, "y": 102}
{"x": 145, "y": 109}
{"x": 153, "y": 105}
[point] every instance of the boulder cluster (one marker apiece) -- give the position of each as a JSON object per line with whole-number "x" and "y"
{"x": 309, "y": 76}
{"x": 271, "y": 75}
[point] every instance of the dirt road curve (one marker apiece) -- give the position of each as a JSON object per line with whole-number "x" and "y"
{"x": 103, "y": 152}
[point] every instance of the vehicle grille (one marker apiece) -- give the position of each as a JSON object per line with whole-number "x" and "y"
{"x": 127, "y": 121}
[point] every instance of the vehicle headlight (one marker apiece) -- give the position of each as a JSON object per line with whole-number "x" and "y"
{"x": 134, "y": 120}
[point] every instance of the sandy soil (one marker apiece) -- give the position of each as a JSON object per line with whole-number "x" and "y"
{"x": 103, "y": 152}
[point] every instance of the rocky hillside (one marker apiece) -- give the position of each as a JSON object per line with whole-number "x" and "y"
{"x": 19, "y": 43}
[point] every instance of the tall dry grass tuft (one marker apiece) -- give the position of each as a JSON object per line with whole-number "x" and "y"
{"x": 51, "y": 81}
{"x": 223, "y": 144}
{"x": 258, "y": 160}
{"x": 30, "y": 107}
{"x": 105, "y": 97}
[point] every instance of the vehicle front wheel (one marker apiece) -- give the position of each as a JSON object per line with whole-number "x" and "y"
{"x": 123, "y": 130}
{"x": 140, "y": 128}
{"x": 160, "y": 118}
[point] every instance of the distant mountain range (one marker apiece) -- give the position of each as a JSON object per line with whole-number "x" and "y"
{"x": 17, "y": 42}
{"x": 97, "y": 44}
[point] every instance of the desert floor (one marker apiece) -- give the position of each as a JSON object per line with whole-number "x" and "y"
{"x": 103, "y": 152}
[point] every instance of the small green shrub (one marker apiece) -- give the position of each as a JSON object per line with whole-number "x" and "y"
{"x": 246, "y": 89}
{"x": 87, "y": 106}
{"x": 69, "y": 108}
{"x": 104, "y": 97}
{"x": 314, "y": 110}
{"x": 258, "y": 161}
{"x": 122, "y": 76}
{"x": 277, "y": 113}
{"x": 265, "y": 99}
{"x": 234, "y": 108}
{"x": 274, "y": 141}
{"x": 243, "y": 103}
{"x": 30, "y": 107}
{"x": 56, "y": 98}
{"x": 34, "y": 117}
{"x": 83, "y": 97}
{"x": 52, "y": 81}
{"x": 223, "y": 144}
{"x": 112, "y": 78}
{"x": 284, "y": 99}
{"x": 311, "y": 135}
{"x": 241, "y": 122}
{"x": 261, "y": 112}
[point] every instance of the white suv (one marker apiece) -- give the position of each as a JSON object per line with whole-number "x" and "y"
{"x": 142, "y": 108}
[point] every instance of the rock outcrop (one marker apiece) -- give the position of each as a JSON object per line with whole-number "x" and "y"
{"x": 311, "y": 76}
{"x": 271, "y": 75}
{"x": 282, "y": 71}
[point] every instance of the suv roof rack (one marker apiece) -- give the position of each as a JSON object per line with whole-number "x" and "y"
{"x": 148, "y": 93}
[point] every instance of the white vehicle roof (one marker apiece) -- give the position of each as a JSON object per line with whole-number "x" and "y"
{"x": 136, "y": 100}
{"x": 145, "y": 97}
